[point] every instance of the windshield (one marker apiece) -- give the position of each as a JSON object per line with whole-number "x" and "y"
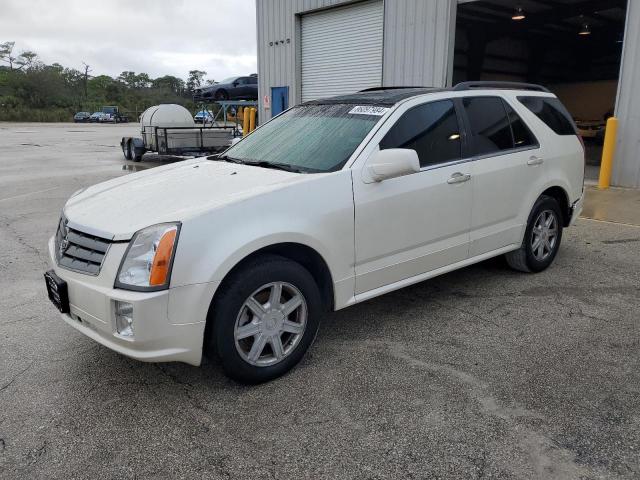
{"x": 229, "y": 80}
{"x": 311, "y": 138}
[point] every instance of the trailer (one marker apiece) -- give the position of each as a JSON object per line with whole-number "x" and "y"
{"x": 171, "y": 130}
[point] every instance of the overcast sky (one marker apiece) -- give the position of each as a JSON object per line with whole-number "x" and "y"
{"x": 159, "y": 37}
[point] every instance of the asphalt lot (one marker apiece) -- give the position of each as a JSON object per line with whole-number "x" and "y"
{"x": 481, "y": 373}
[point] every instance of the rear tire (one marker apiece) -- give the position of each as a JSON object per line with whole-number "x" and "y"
{"x": 264, "y": 319}
{"x": 541, "y": 238}
{"x": 128, "y": 150}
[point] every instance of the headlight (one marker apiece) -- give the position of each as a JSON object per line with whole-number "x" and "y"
{"x": 147, "y": 263}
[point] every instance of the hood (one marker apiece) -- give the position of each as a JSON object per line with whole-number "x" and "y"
{"x": 118, "y": 208}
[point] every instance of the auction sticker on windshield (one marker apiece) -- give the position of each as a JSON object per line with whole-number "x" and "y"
{"x": 368, "y": 110}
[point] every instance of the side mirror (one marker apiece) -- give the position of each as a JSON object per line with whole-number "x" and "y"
{"x": 235, "y": 84}
{"x": 392, "y": 163}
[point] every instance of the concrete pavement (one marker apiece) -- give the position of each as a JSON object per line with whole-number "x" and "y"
{"x": 480, "y": 373}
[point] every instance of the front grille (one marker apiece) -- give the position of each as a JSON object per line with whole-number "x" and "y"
{"x": 79, "y": 251}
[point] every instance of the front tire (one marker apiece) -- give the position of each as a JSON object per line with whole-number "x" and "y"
{"x": 135, "y": 156}
{"x": 541, "y": 238}
{"x": 264, "y": 319}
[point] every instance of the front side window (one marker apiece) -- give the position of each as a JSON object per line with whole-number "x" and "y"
{"x": 309, "y": 138}
{"x": 489, "y": 124}
{"x": 432, "y": 130}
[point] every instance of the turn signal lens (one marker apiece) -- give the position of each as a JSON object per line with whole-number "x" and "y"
{"x": 162, "y": 259}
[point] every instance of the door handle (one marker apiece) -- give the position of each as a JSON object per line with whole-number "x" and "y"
{"x": 458, "y": 177}
{"x": 533, "y": 161}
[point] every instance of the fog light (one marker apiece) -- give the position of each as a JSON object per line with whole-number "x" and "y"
{"x": 124, "y": 319}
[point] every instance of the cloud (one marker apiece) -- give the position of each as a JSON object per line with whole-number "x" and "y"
{"x": 159, "y": 37}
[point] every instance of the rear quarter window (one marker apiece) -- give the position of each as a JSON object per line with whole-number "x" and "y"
{"x": 552, "y": 113}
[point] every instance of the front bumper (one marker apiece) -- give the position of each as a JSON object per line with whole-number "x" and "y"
{"x": 168, "y": 325}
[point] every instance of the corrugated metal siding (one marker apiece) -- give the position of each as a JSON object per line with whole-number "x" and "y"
{"x": 417, "y": 43}
{"x": 626, "y": 167}
{"x": 276, "y": 21}
{"x": 341, "y": 50}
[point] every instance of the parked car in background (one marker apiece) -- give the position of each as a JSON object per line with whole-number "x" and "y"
{"x": 81, "y": 117}
{"x": 232, "y": 88}
{"x": 203, "y": 116}
{"x": 329, "y": 204}
{"x": 114, "y": 115}
{"x": 96, "y": 117}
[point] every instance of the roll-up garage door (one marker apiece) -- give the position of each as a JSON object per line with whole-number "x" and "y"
{"x": 341, "y": 50}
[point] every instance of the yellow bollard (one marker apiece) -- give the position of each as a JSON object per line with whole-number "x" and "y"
{"x": 252, "y": 120}
{"x": 245, "y": 122}
{"x": 608, "y": 151}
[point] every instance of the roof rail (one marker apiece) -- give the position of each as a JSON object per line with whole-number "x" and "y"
{"x": 374, "y": 89}
{"x": 499, "y": 85}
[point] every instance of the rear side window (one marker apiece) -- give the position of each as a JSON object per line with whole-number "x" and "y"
{"x": 522, "y": 136}
{"x": 432, "y": 130}
{"x": 551, "y": 112}
{"x": 490, "y": 128}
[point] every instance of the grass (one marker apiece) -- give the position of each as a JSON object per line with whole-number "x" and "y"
{"x": 22, "y": 114}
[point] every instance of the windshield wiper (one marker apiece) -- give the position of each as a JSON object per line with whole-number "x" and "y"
{"x": 276, "y": 166}
{"x": 227, "y": 158}
{"x": 262, "y": 163}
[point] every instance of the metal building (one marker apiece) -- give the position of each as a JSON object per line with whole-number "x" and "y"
{"x": 317, "y": 48}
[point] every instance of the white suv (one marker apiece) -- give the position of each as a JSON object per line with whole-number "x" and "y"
{"x": 329, "y": 204}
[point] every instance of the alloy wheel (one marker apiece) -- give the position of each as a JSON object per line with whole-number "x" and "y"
{"x": 270, "y": 324}
{"x": 544, "y": 235}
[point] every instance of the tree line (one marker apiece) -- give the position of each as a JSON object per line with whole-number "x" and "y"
{"x": 30, "y": 90}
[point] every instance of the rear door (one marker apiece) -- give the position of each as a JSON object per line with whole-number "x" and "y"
{"x": 564, "y": 152}
{"x": 411, "y": 225}
{"x": 507, "y": 169}
{"x": 241, "y": 89}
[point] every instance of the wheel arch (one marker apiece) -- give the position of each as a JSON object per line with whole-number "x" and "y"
{"x": 300, "y": 253}
{"x": 562, "y": 197}
{"x": 303, "y": 254}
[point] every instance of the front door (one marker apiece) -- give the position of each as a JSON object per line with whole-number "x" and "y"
{"x": 411, "y": 225}
{"x": 279, "y": 100}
